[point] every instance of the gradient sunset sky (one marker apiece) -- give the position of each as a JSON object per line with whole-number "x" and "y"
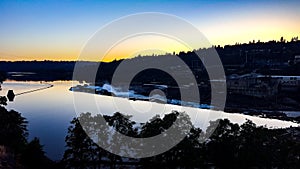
{"x": 58, "y": 29}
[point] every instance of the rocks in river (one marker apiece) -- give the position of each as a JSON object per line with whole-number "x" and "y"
{"x": 11, "y": 95}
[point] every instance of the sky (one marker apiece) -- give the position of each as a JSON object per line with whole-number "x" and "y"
{"x": 59, "y": 29}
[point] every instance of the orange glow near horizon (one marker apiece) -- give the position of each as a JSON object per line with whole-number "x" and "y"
{"x": 148, "y": 45}
{"x": 137, "y": 45}
{"x": 58, "y": 30}
{"x": 263, "y": 27}
{"x": 157, "y": 46}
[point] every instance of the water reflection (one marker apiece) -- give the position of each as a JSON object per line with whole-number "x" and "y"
{"x": 50, "y": 111}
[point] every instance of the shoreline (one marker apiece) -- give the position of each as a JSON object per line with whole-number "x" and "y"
{"x": 262, "y": 113}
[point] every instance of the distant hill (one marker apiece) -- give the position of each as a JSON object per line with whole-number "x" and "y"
{"x": 273, "y": 57}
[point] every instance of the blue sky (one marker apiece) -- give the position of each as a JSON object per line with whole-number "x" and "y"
{"x": 56, "y": 30}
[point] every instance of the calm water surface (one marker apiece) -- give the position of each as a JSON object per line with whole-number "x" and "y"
{"x": 50, "y": 111}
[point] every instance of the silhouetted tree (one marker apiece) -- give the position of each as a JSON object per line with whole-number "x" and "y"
{"x": 223, "y": 144}
{"x": 13, "y": 129}
{"x": 230, "y": 145}
{"x": 3, "y": 100}
{"x": 33, "y": 156}
{"x": 13, "y": 138}
{"x": 79, "y": 153}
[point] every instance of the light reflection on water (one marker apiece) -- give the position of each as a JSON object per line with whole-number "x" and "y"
{"x": 50, "y": 111}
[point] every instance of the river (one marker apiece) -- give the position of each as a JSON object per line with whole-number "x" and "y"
{"x": 50, "y": 111}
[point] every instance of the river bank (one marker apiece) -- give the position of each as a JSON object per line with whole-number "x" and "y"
{"x": 241, "y": 103}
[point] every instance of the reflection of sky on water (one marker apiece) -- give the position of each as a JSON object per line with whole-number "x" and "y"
{"x": 50, "y": 111}
{"x": 292, "y": 113}
{"x": 20, "y": 87}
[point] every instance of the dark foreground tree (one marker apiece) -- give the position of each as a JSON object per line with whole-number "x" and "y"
{"x": 80, "y": 152}
{"x": 15, "y": 151}
{"x": 13, "y": 131}
{"x": 33, "y": 156}
{"x": 3, "y": 100}
{"x": 230, "y": 146}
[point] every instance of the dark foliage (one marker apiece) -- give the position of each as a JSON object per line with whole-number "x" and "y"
{"x": 13, "y": 129}
{"x": 17, "y": 152}
{"x": 3, "y": 100}
{"x": 230, "y": 146}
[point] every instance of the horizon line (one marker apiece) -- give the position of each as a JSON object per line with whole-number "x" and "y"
{"x": 212, "y": 46}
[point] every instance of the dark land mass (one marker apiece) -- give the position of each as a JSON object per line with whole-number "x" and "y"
{"x": 269, "y": 58}
{"x": 264, "y": 58}
{"x": 37, "y": 70}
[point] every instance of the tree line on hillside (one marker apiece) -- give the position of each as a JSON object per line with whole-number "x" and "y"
{"x": 273, "y": 57}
